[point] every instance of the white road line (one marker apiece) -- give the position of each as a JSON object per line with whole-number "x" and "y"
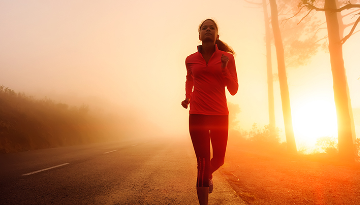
{"x": 110, "y": 151}
{"x": 45, "y": 169}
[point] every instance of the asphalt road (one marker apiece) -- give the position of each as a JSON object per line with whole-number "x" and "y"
{"x": 161, "y": 171}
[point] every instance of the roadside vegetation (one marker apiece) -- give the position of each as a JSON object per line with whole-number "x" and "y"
{"x": 27, "y": 123}
{"x": 265, "y": 140}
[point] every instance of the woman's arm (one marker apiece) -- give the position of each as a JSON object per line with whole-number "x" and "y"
{"x": 189, "y": 84}
{"x": 230, "y": 76}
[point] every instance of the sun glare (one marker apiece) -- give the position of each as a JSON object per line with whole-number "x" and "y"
{"x": 314, "y": 119}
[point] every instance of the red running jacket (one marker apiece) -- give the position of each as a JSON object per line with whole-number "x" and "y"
{"x": 205, "y": 83}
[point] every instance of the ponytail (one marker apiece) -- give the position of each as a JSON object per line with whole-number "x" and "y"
{"x": 224, "y": 47}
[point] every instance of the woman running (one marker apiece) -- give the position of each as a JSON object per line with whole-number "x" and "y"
{"x": 209, "y": 71}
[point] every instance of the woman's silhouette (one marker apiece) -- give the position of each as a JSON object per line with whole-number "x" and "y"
{"x": 209, "y": 71}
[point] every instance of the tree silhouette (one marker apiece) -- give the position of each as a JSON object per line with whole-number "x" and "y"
{"x": 298, "y": 48}
{"x": 269, "y": 68}
{"x": 270, "y": 78}
{"x": 345, "y": 122}
{"x": 284, "y": 89}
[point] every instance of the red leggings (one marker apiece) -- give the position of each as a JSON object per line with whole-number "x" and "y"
{"x": 203, "y": 129}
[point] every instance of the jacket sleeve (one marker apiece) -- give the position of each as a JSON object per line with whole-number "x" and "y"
{"x": 230, "y": 76}
{"x": 189, "y": 83}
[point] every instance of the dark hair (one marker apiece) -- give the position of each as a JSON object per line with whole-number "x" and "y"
{"x": 221, "y": 45}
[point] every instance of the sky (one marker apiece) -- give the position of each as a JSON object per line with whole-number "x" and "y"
{"x": 128, "y": 56}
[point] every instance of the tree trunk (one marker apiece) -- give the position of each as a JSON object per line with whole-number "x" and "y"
{"x": 284, "y": 89}
{"x": 342, "y": 28}
{"x": 345, "y": 140}
{"x": 269, "y": 70}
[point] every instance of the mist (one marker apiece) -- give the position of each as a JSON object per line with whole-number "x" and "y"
{"x": 128, "y": 57}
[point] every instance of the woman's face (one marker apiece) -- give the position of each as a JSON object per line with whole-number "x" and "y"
{"x": 208, "y": 32}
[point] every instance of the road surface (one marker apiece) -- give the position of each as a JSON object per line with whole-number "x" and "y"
{"x": 161, "y": 171}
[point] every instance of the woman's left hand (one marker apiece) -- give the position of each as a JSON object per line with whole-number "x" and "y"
{"x": 224, "y": 61}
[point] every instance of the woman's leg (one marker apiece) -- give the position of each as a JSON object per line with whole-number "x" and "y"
{"x": 199, "y": 132}
{"x": 203, "y": 195}
{"x": 200, "y": 138}
{"x": 219, "y": 138}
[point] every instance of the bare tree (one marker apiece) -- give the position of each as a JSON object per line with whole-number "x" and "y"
{"x": 297, "y": 52}
{"x": 284, "y": 89}
{"x": 269, "y": 69}
{"x": 270, "y": 80}
{"x": 299, "y": 43}
{"x": 341, "y": 94}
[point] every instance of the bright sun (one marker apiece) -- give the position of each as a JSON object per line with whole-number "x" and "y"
{"x": 313, "y": 119}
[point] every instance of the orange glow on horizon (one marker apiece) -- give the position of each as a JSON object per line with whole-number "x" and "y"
{"x": 312, "y": 119}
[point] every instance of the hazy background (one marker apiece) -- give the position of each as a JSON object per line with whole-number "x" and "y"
{"x": 128, "y": 56}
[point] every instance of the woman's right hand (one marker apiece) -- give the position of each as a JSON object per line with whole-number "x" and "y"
{"x": 185, "y": 103}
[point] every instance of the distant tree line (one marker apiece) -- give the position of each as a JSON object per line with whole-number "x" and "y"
{"x": 27, "y": 123}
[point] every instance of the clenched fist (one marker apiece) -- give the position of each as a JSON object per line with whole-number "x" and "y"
{"x": 224, "y": 61}
{"x": 185, "y": 103}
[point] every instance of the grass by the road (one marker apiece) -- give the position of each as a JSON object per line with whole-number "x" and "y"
{"x": 260, "y": 178}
